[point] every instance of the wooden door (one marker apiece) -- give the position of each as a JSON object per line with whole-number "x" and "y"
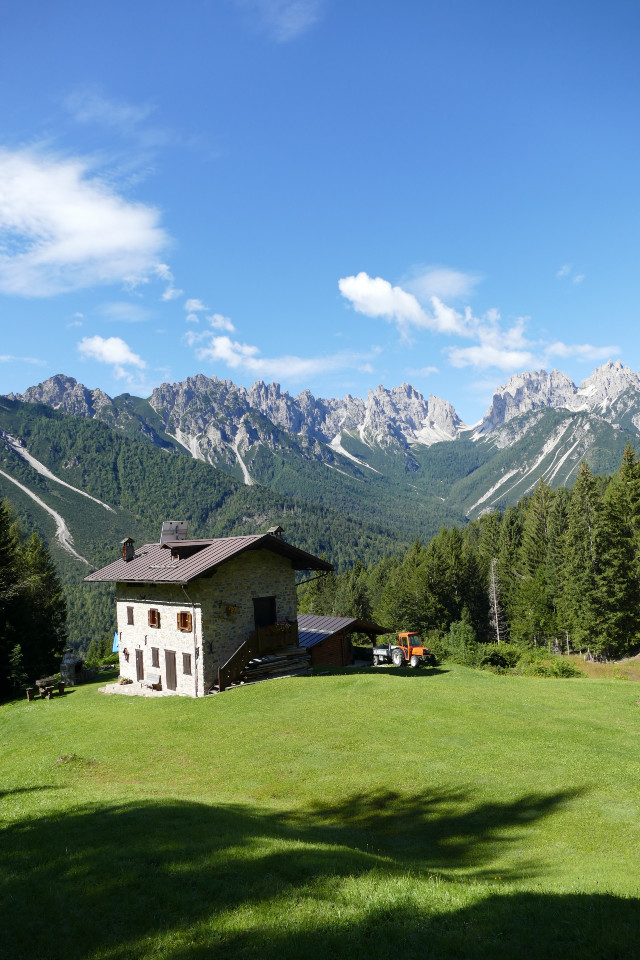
{"x": 264, "y": 611}
{"x": 139, "y": 665}
{"x": 170, "y": 669}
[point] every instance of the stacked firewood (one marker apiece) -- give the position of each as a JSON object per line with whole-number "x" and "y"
{"x": 287, "y": 662}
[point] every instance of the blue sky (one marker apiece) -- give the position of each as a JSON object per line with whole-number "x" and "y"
{"x": 327, "y": 194}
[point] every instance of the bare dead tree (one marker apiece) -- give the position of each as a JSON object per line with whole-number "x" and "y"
{"x": 496, "y": 613}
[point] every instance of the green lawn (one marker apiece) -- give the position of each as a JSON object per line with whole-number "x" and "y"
{"x": 451, "y": 813}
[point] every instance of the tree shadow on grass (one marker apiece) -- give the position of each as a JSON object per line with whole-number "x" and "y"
{"x": 177, "y": 879}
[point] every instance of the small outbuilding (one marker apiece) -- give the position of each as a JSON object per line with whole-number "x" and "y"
{"x": 328, "y": 639}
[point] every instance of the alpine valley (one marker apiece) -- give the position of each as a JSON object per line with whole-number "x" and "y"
{"x": 354, "y": 479}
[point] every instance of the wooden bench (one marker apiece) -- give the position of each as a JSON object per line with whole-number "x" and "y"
{"x": 46, "y": 688}
{"x": 153, "y": 681}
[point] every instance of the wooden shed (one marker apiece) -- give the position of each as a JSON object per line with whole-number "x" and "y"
{"x": 328, "y": 639}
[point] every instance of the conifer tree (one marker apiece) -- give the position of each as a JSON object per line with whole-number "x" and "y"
{"x": 583, "y": 561}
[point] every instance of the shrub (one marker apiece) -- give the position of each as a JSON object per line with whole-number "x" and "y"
{"x": 499, "y": 655}
{"x": 460, "y": 645}
{"x": 538, "y": 662}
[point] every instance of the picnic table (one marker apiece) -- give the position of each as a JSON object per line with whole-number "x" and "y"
{"x": 46, "y": 686}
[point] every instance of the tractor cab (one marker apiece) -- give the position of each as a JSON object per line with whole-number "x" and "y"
{"x": 411, "y": 643}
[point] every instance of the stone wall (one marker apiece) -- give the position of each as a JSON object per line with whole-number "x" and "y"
{"x": 226, "y": 600}
{"x": 168, "y": 600}
{"x": 221, "y": 606}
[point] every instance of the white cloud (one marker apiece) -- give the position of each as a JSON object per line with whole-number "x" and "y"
{"x": 376, "y": 297}
{"x": 284, "y": 20}
{"x": 195, "y": 306}
{"x": 566, "y": 270}
{"x": 8, "y": 358}
{"x": 505, "y": 349}
{"x": 89, "y": 106}
{"x": 218, "y": 322}
{"x": 424, "y": 371}
{"x": 582, "y": 351}
{"x": 114, "y": 351}
{"x": 243, "y": 356}
{"x": 170, "y": 292}
{"x": 192, "y": 318}
{"x": 489, "y": 355}
{"x": 62, "y": 229}
{"x": 74, "y": 323}
{"x": 442, "y": 282}
{"x": 124, "y": 312}
{"x": 493, "y": 346}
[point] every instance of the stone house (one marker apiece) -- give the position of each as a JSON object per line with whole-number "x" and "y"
{"x": 184, "y": 607}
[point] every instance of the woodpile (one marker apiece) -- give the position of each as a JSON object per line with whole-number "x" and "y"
{"x": 286, "y": 662}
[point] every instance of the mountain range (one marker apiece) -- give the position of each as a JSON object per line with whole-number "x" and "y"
{"x": 538, "y": 424}
{"x": 352, "y": 478}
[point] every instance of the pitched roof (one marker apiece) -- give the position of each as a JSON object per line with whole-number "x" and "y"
{"x": 314, "y": 629}
{"x": 153, "y": 563}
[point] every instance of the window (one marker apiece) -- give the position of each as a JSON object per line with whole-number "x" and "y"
{"x": 155, "y": 657}
{"x": 184, "y": 622}
{"x": 186, "y": 663}
{"x": 130, "y": 616}
{"x": 154, "y": 618}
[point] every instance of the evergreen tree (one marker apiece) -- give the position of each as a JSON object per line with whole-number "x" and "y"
{"x": 618, "y": 575}
{"x": 44, "y": 623}
{"x": 583, "y": 562}
{"x": 32, "y": 609}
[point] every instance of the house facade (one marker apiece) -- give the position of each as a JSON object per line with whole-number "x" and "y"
{"x": 184, "y": 607}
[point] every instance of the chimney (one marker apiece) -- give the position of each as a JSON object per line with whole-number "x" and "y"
{"x": 128, "y": 549}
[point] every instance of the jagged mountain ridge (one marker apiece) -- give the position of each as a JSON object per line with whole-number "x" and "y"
{"x": 393, "y": 444}
{"x": 400, "y": 413}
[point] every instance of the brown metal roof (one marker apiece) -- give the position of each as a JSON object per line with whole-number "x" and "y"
{"x": 153, "y": 563}
{"x": 313, "y": 629}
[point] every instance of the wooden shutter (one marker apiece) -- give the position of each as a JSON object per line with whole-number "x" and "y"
{"x": 186, "y": 664}
{"x": 170, "y": 669}
{"x": 155, "y": 657}
{"x": 129, "y": 616}
{"x": 154, "y": 618}
{"x": 184, "y": 622}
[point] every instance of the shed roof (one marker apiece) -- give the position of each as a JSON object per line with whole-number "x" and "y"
{"x": 314, "y": 629}
{"x": 153, "y": 563}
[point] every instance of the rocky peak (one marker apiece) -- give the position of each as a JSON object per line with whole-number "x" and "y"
{"x": 528, "y": 391}
{"x": 66, "y": 394}
{"x": 606, "y": 383}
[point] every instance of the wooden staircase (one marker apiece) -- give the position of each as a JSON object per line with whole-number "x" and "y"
{"x": 267, "y": 654}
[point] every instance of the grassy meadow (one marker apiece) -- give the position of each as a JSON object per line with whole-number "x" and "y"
{"x": 437, "y": 813}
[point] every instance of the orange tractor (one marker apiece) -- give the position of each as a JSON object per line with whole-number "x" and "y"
{"x": 407, "y": 649}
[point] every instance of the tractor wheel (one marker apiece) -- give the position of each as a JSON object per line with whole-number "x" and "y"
{"x": 415, "y": 661}
{"x": 398, "y": 658}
